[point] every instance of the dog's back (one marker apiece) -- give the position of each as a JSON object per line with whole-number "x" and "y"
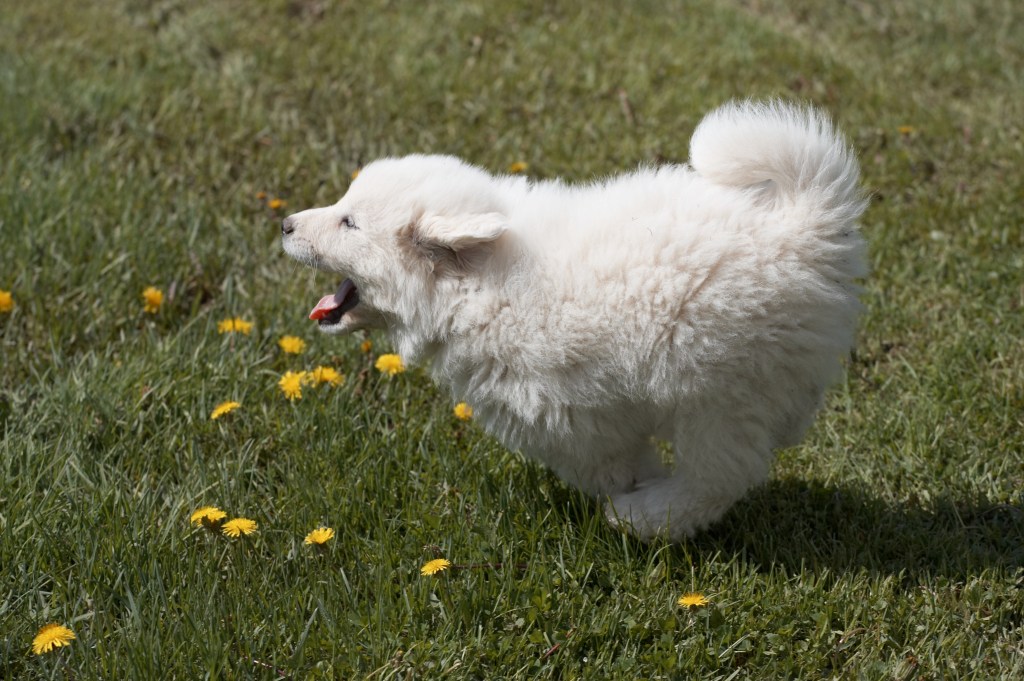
{"x": 671, "y": 264}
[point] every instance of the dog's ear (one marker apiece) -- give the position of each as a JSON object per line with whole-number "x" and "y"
{"x": 461, "y": 231}
{"x": 457, "y": 242}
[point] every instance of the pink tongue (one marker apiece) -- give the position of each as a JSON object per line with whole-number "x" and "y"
{"x": 326, "y": 305}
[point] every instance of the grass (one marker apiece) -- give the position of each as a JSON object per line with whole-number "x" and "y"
{"x": 134, "y": 138}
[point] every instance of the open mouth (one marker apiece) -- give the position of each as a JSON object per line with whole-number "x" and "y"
{"x": 333, "y": 307}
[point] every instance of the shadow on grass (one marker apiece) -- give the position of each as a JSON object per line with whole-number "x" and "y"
{"x": 800, "y": 524}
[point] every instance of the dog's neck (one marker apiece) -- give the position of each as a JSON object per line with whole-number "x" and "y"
{"x": 449, "y": 325}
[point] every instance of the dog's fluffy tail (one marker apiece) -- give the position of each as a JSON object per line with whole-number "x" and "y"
{"x": 785, "y": 153}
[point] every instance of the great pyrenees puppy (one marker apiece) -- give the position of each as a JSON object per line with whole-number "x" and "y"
{"x": 708, "y": 304}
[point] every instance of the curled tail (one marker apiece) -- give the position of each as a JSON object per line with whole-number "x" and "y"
{"x": 785, "y": 152}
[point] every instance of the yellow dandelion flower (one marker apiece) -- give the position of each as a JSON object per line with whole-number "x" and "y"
{"x": 237, "y": 527}
{"x": 152, "y": 299}
{"x": 236, "y": 325}
{"x": 51, "y": 636}
{"x": 518, "y": 167}
{"x": 6, "y": 301}
{"x": 463, "y": 411}
{"x": 906, "y": 129}
{"x": 329, "y": 375}
{"x": 207, "y": 515}
{"x": 224, "y": 408}
{"x": 692, "y": 600}
{"x": 390, "y": 364}
{"x": 275, "y": 204}
{"x": 260, "y": 196}
{"x": 355, "y": 173}
{"x": 291, "y": 384}
{"x": 435, "y": 566}
{"x": 292, "y": 345}
{"x": 320, "y": 536}
{"x": 366, "y": 346}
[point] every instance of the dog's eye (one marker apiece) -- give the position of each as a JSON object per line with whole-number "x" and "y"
{"x": 348, "y": 222}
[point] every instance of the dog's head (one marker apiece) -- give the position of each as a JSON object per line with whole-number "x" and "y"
{"x": 405, "y": 226}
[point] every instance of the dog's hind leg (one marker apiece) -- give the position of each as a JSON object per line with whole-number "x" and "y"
{"x": 603, "y": 468}
{"x": 717, "y": 460}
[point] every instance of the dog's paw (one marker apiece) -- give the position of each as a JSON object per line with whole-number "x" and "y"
{"x": 663, "y": 508}
{"x": 623, "y": 522}
{"x": 632, "y": 513}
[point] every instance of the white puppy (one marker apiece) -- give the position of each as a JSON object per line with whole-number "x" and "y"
{"x": 709, "y": 305}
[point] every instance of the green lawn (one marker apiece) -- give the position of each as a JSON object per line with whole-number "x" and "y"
{"x": 135, "y": 138}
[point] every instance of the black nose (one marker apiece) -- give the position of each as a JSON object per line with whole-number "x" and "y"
{"x": 287, "y": 226}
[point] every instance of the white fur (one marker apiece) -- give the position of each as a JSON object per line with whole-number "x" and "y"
{"x": 710, "y": 306}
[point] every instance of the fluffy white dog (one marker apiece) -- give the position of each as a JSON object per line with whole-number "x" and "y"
{"x": 709, "y": 305}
